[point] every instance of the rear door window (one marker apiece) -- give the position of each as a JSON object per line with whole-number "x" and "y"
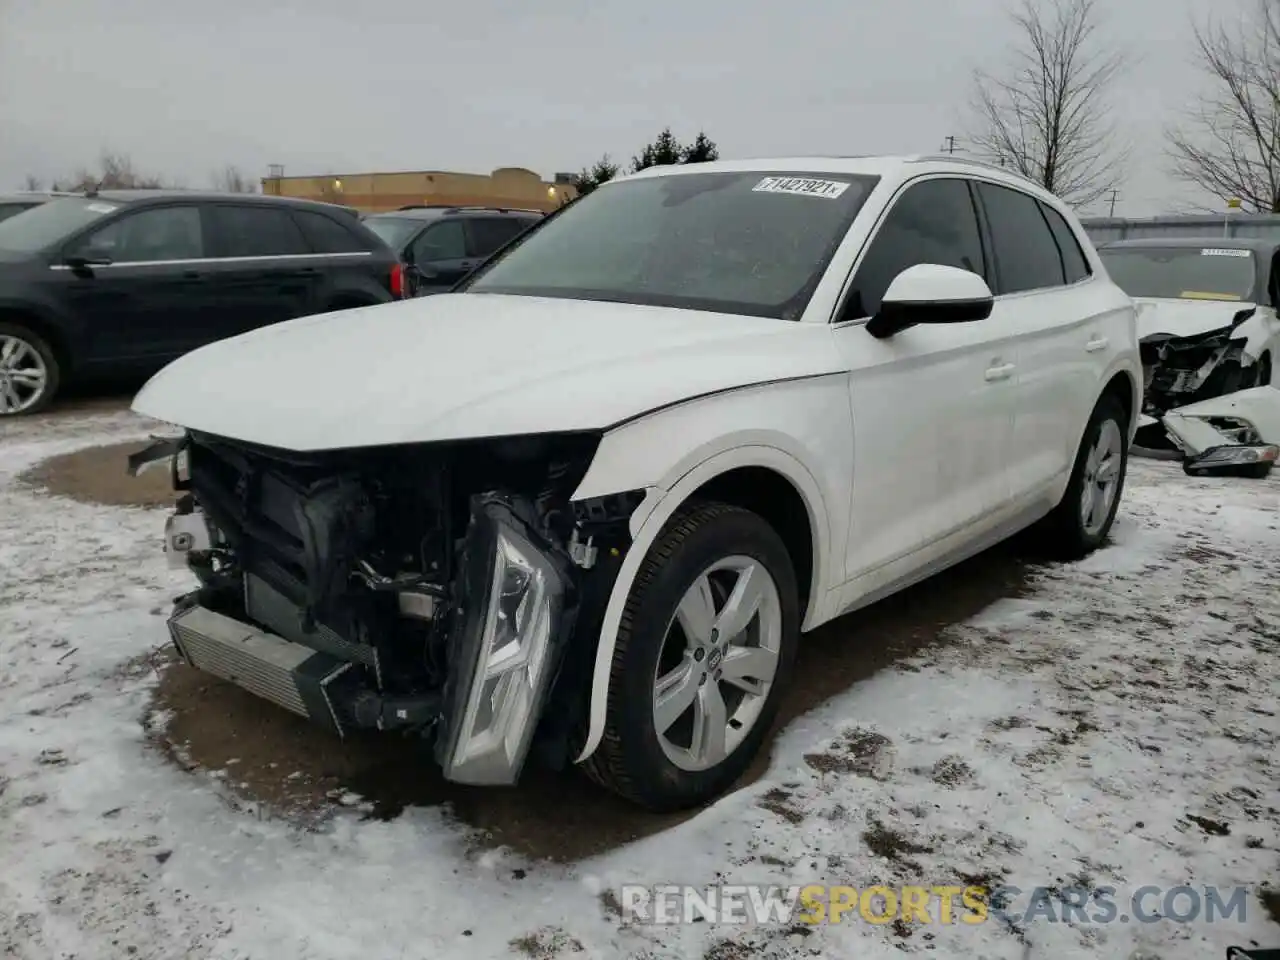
{"x": 257, "y": 231}
{"x": 489, "y": 234}
{"x": 1025, "y": 251}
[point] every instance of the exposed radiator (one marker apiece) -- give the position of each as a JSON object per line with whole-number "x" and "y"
{"x": 290, "y": 675}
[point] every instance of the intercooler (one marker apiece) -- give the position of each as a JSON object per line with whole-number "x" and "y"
{"x": 293, "y": 676}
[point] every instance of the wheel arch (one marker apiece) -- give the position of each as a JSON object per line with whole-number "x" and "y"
{"x": 1124, "y": 387}
{"x": 762, "y": 478}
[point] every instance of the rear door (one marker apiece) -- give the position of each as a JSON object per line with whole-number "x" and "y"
{"x": 264, "y": 271}
{"x": 441, "y": 256}
{"x": 1061, "y": 339}
{"x": 148, "y": 296}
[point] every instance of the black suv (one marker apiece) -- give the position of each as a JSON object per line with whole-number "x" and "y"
{"x": 441, "y": 244}
{"x": 122, "y": 282}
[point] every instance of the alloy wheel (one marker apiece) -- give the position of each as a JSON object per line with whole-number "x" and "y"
{"x": 718, "y": 662}
{"x": 1101, "y": 477}
{"x": 24, "y": 375}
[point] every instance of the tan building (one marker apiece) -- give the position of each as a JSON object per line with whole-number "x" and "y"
{"x": 372, "y": 192}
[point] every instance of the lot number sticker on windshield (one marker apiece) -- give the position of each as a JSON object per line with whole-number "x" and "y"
{"x": 803, "y": 186}
{"x": 1222, "y": 252}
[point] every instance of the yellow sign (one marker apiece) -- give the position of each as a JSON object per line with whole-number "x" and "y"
{"x": 1203, "y": 295}
{"x": 1233, "y": 203}
{"x": 881, "y": 904}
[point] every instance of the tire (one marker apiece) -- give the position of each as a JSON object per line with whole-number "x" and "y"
{"x": 1264, "y": 371}
{"x": 28, "y": 356}
{"x": 656, "y": 768}
{"x": 1070, "y": 537}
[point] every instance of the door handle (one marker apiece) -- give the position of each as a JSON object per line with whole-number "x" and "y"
{"x": 308, "y": 271}
{"x": 1001, "y": 371}
{"x": 1096, "y": 344}
{"x": 192, "y": 275}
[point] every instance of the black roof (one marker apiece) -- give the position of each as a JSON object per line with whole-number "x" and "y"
{"x": 204, "y": 196}
{"x": 1260, "y": 245}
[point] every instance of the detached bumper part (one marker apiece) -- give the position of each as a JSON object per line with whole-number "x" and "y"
{"x": 1252, "y": 460}
{"x": 505, "y": 651}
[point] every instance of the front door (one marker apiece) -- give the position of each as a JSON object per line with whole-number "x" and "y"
{"x": 146, "y": 296}
{"x": 932, "y": 405}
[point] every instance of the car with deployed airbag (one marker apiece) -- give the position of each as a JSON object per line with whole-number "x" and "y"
{"x": 583, "y": 508}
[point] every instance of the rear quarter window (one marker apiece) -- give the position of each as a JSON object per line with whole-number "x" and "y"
{"x": 1074, "y": 263}
{"x": 326, "y": 235}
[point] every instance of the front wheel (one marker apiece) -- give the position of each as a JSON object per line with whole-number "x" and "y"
{"x": 29, "y": 371}
{"x": 704, "y": 650}
{"x": 1079, "y": 524}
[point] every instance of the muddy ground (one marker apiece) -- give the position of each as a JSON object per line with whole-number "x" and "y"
{"x": 266, "y": 755}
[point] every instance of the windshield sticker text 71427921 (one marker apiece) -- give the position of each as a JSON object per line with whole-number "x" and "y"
{"x": 802, "y": 186}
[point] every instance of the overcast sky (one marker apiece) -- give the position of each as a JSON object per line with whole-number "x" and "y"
{"x": 185, "y": 87}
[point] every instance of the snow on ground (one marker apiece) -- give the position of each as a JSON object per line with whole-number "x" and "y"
{"x": 1068, "y": 736}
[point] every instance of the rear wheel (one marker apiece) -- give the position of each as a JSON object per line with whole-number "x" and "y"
{"x": 1083, "y": 518}
{"x": 703, "y": 653}
{"x": 29, "y": 373}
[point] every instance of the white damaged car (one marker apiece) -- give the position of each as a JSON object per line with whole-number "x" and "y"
{"x": 1209, "y": 335}
{"x": 584, "y": 506}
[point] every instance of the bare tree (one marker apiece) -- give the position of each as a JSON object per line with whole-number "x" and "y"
{"x": 1046, "y": 114}
{"x": 32, "y": 183}
{"x": 231, "y": 179}
{"x": 1230, "y": 144}
{"x": 115, "y": 172}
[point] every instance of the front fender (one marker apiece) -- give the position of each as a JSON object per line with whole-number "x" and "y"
{"x": 803, "y": 433}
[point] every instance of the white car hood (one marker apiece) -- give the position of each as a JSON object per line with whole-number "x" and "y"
{"x": 456, "y": 366}
{"x": 1185, "y": 318}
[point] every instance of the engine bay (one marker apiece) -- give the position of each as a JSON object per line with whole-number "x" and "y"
{"x": 431, "y": 589}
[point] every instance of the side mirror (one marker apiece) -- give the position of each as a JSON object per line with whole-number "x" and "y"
{"x": 931, "y": 293}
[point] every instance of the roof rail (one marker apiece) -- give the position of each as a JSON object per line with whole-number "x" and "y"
{"x": 457, "y": 208}
{"x": 972, "y": 161}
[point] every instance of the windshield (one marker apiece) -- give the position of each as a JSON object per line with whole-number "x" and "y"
{"x": 393, "y": 231}
{"x": 752, "y": 243}
{"x": 33, "y": 230}
{"x": 1182, "y": 273}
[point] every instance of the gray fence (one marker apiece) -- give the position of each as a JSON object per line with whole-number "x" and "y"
{"x": 1107, "y": 229}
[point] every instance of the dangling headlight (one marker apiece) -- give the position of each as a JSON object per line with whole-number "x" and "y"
{"x": 501, "y": 658}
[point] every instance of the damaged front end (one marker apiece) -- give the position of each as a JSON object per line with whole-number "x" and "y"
{"x": 1184, "y": 378}
{"x": 450, "y": 591}
{"x": 1182, "y": 370}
